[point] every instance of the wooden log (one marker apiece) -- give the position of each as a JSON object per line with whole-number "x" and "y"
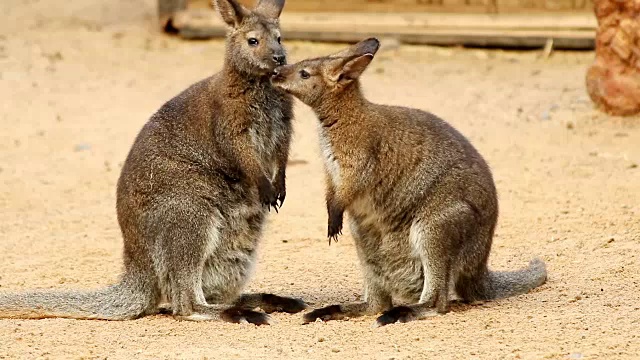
{"x": 576, "y": 21}
{"x": 505, "y": 39}
{"x": 568, "y": 31}
{"x": 437, "y": 6}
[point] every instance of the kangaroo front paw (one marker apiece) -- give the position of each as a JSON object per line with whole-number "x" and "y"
{"x": 267, "y": 194}
{"x": 239, "y": 316}
{"x": 274, "y": 303}
{"x": 333, "y": 312}
{"x": 280, "y": 189}
{"x": 336, "y": 215}
{"x": 401, "y": 314}
{"x": 334, "y": 227}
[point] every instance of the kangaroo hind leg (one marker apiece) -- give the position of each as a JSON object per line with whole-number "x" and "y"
{"x": 434, "y": 241}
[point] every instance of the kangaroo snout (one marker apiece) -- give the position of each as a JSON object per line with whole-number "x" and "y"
{"x": 280, "y": 59}
{"x": 279, "y": 74}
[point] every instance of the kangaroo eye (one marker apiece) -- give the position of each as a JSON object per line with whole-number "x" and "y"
{"x": 253, "y": 41}
{"x": 304, "y": 74}
{"x": 278, "y": 39}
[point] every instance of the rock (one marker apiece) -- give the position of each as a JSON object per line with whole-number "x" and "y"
{"x": 613, "y": 80}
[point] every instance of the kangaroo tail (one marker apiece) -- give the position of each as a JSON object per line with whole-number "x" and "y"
{"x": 501, "y": 284}
{"x": 128, "y": 299}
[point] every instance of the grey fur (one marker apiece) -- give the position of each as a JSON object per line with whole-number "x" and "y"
{"x": 421, "y": 200}
{"x": 193, "y": 196}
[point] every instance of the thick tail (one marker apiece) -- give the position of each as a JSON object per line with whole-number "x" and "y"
{"x": 502, "y": 284}
{"x": 128, "y": 299}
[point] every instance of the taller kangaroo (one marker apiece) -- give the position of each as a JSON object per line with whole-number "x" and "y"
{"x": 194, "y": 193}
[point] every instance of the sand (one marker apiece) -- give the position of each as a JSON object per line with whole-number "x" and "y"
{"x": 79, "y": 79}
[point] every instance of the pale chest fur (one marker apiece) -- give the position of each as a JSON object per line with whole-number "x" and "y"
{"x": 331, "y": 164}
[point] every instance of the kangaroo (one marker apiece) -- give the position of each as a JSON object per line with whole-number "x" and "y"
{"x": 194, "y": 192}
{"x": 421, "y": 200}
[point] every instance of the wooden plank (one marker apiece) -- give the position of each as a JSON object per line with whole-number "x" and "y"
{"x": 570, "y": 31}
{"x": 375, "y": 6}
{"x": 456, "y": 6}
{"x": 510, "y": 39}
{"x": 575, "y": 21}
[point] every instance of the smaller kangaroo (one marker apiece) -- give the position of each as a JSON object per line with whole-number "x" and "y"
{"x": 421, "y": 200}
{"x": 194, "y": 193}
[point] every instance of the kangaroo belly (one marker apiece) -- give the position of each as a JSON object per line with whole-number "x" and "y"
{"x": 401, "y": 273}
{"x": 387, "y": 255}
{"x": 232, "y": 254}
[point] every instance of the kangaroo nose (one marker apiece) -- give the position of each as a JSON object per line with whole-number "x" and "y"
{"x": 277, "y": 75}
{"x": 279, "y": 59}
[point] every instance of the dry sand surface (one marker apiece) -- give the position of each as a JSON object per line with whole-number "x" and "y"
{"x": 79, "y": 79}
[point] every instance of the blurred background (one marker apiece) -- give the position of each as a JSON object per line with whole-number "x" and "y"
{"x": 79, "y": 78}
{"x": 505, "y": 23}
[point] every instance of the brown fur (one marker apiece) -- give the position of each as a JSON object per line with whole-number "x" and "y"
{"x": 421, "y": 200}
{"x": 194, "y": 192}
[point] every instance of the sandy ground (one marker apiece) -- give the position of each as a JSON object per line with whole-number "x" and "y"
{"x": 79, "y": 79}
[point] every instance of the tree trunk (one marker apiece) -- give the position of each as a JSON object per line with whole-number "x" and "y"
{"x": 613, "y": 80}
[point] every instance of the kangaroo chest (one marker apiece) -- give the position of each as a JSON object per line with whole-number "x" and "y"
{"x": 267, "y": 129}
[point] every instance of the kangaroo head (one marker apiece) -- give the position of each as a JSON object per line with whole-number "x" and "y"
{"x": 313, "y": 80}
{"x": 253, "y": 40}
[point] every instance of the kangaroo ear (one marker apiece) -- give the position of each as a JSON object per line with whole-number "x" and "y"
{"x": 232, "y": 12}
{"x": 353, "y": 68}
{"x": 366, "y": 46}
{"x": 270, "y": 8}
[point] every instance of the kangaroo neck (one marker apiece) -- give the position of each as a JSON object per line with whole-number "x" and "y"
{"x": 238, "y": 82}
{"x": 341, "y": 109}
